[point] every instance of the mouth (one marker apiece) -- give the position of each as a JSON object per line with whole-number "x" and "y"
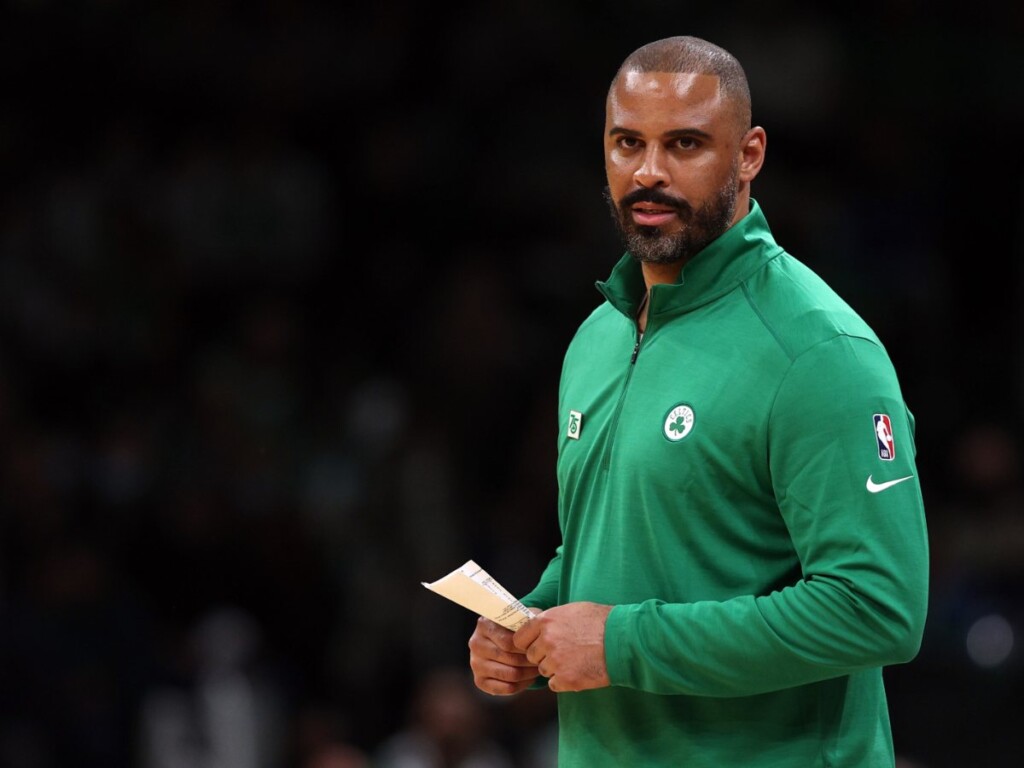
{"x": 652, "y": 215}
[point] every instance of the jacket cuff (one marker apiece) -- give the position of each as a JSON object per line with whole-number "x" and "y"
{"x": 618, "y": 655}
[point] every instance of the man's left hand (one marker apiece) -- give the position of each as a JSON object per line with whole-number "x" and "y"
{"x": 567, "y": 645}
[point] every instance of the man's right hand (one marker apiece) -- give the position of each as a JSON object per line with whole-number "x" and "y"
{"x": 499, "y": 668}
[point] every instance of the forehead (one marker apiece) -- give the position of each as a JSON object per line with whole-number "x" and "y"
{"x": 638, "y": 98}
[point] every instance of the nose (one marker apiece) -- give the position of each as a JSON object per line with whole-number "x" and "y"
{"x": 652, "y": 171}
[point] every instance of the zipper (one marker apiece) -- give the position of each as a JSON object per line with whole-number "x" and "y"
{"x": 606, "y": 463}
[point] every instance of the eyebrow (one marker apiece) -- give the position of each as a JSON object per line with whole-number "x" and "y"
{"x": 677, "y": 133}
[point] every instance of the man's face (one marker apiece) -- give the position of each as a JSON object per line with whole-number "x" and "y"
{"x": 671, "y": 156}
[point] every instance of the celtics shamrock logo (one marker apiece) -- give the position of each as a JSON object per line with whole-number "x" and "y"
{"x": 678, "y": 422}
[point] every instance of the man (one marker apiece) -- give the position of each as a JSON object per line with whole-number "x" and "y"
{"x": 742, "y": 551}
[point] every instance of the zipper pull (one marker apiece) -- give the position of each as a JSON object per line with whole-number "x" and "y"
{"x": 639, "y": 331}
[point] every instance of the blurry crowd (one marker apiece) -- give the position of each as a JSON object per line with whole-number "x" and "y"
{"x": 283, "y": 296}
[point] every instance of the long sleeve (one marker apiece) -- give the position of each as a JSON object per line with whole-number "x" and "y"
{"x": 855, "y": 515}
{"x": 545, "y": 594}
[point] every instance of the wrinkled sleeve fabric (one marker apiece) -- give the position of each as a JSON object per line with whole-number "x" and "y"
{"x": 545, "y": 594}
{"x": 861, "y": 599}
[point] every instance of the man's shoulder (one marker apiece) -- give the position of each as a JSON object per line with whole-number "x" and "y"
{"x": 603, "y": 335}
{"x": 799, "y": 308}
{"x": 603, "y": 316}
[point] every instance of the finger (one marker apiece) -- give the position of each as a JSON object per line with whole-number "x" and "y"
{"x": 490, "y": 652}
{"x": 501, "y": 688}
{"x": 493, "y": 670}
{"x": 501, "y": 680}
{"x": 561, "y": 684}
{"x": 496, "y": 633}
{"x": 535, "y": 654}
{"x": 485, "y": 658}
{"x": 485, "y": 648}
{"x": 526, "y": 634}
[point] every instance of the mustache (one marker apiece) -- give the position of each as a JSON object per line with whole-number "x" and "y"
{"x": 657, "y": 197}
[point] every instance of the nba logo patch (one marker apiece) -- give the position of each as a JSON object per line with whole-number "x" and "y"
{"x": 883, "y": 435}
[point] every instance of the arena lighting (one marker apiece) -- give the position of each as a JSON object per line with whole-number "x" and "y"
{"x": 990, "y": 641}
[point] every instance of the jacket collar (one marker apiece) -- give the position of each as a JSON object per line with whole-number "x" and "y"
{"x": 739, "y": 252}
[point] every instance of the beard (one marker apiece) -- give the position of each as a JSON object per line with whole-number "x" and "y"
{"x": 698, "y": 226}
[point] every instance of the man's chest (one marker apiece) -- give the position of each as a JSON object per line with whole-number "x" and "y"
{"x": 689, "y": 401}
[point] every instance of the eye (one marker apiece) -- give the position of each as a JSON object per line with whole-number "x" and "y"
{"x": 687, "y": 142}
{"x": 627, "y": 142}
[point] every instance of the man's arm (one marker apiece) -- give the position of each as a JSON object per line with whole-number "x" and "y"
{"x": 499, "y": 667}
{"x": 862, "y": 597}
{"x": 545, "y": 594}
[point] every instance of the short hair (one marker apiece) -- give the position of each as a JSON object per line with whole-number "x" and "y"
{"x": 691, "y": 54}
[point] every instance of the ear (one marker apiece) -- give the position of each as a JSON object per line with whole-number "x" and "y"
{"x": 752, "y": 148}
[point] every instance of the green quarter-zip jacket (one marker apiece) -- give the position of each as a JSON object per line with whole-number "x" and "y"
{"x": 739, "y": 482}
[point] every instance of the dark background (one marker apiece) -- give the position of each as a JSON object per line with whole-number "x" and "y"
{"x": 284, "y": 289}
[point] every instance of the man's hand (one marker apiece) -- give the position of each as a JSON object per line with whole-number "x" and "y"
{"x": 567, "y": 645}
{"x": 499, "y": 668}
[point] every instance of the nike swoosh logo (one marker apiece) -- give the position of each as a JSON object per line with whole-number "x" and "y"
{"x": 874, "y": 487}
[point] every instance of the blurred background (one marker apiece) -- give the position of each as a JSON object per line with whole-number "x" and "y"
{"x": 284, "y": 290}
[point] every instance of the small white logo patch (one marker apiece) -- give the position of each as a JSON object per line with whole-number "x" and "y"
{"x": 678, "y": 422}
{"x": 575, "y": 424}
{"x": 874, "y": 487}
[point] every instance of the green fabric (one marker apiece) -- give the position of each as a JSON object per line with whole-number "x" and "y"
{"x": 759, "y": 587}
